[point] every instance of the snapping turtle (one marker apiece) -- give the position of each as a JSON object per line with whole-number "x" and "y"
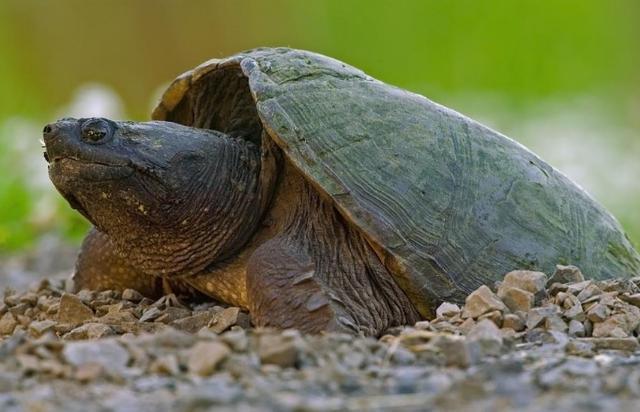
{"x": 317, "y": 197}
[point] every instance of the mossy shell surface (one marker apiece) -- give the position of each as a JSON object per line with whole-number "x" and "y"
{"x": 447, "y": 203}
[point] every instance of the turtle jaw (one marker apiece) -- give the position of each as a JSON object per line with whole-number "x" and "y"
{"x": 76, "y": 180}
{"x": 65, "y": 169}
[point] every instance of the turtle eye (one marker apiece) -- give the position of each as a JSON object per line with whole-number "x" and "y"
{"x": 96, "y": 131}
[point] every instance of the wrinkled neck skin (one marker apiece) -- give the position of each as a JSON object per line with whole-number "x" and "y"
{"x": 216, "y": 214}
{"x": 363, "y": 293}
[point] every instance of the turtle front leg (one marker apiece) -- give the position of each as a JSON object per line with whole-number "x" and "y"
{"x": 284, "y": 292}
{"x": 100, "y": 268}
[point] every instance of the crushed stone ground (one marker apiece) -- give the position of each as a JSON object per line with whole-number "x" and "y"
{"x": 532, "y": 342}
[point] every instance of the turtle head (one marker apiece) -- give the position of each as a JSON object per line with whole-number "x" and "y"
{"x": 127, "y": 172}
{"x": 156, "y": 188}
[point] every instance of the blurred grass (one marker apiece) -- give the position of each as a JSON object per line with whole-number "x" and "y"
{"x": 466, "y": 54}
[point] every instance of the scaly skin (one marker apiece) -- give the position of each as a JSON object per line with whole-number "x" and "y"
{"x": 178, "y": 208}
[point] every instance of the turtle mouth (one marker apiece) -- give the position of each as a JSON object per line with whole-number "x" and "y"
{"x": 84, "y": 149}
{"x": 92, "y": 170}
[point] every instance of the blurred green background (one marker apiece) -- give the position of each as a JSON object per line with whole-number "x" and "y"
{"x": 559, "y": 76}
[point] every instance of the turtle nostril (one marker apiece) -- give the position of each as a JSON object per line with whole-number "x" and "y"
{"x": 49, "y": 131}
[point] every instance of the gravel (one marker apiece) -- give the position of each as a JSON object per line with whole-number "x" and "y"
{"x": 532, "y": 343}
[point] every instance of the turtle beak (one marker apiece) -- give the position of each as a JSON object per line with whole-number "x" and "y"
{"x": 51, "y": 139}
{"x": 47, "y": 133}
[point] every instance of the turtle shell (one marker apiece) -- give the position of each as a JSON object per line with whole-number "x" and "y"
{"x": 447, "y": 203}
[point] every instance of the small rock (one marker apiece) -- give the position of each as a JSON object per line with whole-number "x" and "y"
{"x": 223, "y": 320}
{"x": 28, "y": 363}
{"x": 615, "y": 382}
{"x": 237, "y": 339}
{"x": 243, "y": 321}
{"x": 466, "y": 326}
{"x": 556, "y": 288}
{"x": 513, "y": 321}
{"x": 9, "y": 381}
{"x": 23, "y": 320}
{"x": 536, "y": 316}
{"x": 561, "y": 299}
{"x": 7, "y": 324}
{"x": 532, "y": 282}
{"x": 132, "y": 295}
{"x": 72, "y": 310}
{"x": 53, "y": 308}
{"x": 422, "y": 325}
{"x": 454, "y": 349}
{"x": 193, "y": 323}
{"x": 614, "y": 327}
{"x": 62, "y": 328}
{"x": 204, "y": 357}
{"x": 589, "y": 291}
{"x": 108, "y": 353}
{"x": 606, "y": 298}
{"x": 575, "y": 288}
{"x": 138, "y": 327}
{"x": 447, "y": 309}
{"x": 487, "y": 335}
{"x": 626, "y": 344}
{"x": 88, "y": 372}
{"x": 555, "y": 323}
{"x": 576, "y": 328}
{"x": 54, "y": 368}
{"x": 481, "y": 301}
{"x": 575, "y": 312}
{"x": 19, "y": 309}
{"x": 494, "y": 316}
{"x": 569, "y": 300}
{"x": 446, "y": 326}
{"x": 29, "y": 298}
{"x": 39, "y": 328}
{"x": 91, "y": 330}
{"x": 354, "y": 360}
{"x": 553, "y": 338}
{"x": 566, "y": 274}
{"x": 631, "y": 299}
{"x": 402, "y": 356}
{"x": 598, "y": 313}
{"x": 515, "y": 298}
{"x": 86, "y": 295}
{"x": 11, "y": 298}
{"x": 588, "y": 327}
{"x": 173, "y": 338}
{"x": 172, "y": 313}
{"x": 579, "y": 347}
{"x": 150, "y": 314}
{"x": 277, "y": 350}
{"x": 166, "y": 365}
{"x": 577, "y": 367}
{"x": 118, "y": 318}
